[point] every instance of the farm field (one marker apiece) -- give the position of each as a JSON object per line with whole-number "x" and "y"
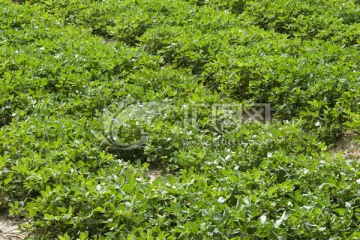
{"x": 126, "y": 119}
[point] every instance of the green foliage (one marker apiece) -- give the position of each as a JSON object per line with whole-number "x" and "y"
{"x": 62, "y": 63}
{"x": 234, "y": 6}
{"x": 335, "y": 21}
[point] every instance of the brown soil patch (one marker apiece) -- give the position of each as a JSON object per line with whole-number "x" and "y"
{"x": 153, "y": 174}
{"x": 348, "y": 147}
{"x": 9, "y": 230}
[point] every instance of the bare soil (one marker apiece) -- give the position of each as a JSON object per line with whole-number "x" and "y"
{"x": 153, "y": 174}
{"x": 9, "y": 229}
{"x": 348, "y": 147}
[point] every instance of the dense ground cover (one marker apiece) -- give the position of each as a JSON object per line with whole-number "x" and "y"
{"x": 63, "y": 62}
